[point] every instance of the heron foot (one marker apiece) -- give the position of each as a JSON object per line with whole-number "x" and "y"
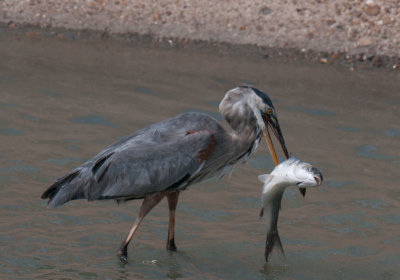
{"x": 123, "y": 254}
{"x": 171, "y": 245}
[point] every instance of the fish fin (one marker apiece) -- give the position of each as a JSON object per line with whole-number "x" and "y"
{"x": 278, "y": 243}
{"x": 303, "y": 191}
{"x": 264, "y": 178}
{"x": 261, "y": 212}
{"x": 272, "y": 241}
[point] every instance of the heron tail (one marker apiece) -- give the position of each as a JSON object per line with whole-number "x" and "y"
{"x": 64, "y": 189}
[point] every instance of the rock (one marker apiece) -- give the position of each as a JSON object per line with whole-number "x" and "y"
{"x": 323, "y": 60}
{"x": 347, "y": 6}
{"x": 364, "y": 42}
{"x": 352, "y": 33}
{"x": 357, "y": 13}
{"x": 33, "y": 34}
{"x": 372, "y": 9}
{"x": 377, "y": 61}
{"x": 265, "y": 10}
{"x": 385, "y": 20}
{"x": 330, "y": 22}
{"x": 12, "y": 25}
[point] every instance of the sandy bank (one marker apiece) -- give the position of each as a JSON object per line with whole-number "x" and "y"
{"x": 366, "y": 28}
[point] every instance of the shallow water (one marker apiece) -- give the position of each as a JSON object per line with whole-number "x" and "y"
{"x": 62, "y": 101}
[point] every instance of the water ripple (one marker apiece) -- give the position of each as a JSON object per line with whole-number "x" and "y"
{"x": 94, "y": 119}
{"x": 372, "y": 203}
{"x": 310, "y": 111}
{"x": 8, "y": 131}
{"x": 9, "y": 105}
{"x": 391, "y": 219}
{"x": 368, "y": 151}
{"x": 392, "y": 133}
{"x": 349, "y": 129}
{"x": 338, "y": 184}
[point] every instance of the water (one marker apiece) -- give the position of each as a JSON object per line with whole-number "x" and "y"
{"x": 62, "y": 101}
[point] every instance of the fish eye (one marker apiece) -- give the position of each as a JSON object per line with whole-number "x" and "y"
{"x": 269, "y": 111}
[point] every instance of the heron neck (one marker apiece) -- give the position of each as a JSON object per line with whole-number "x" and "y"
{"x": 246, "y": 138}
{"x": 241, "y": 119}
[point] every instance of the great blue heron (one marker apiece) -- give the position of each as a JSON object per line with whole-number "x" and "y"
{"x": 165, "y": 158}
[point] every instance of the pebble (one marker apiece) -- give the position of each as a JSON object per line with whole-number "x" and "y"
{"x": 377, "y": 61}
{"x": 265, "y": 10}
{"x": 323, "y": 60}
{"x": 339, "y": 25}
{"x": 364, "y": 42}
{"x": 372, "y": 9}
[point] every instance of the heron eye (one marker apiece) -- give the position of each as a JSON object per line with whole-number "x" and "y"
{"x": 269, "y": 111}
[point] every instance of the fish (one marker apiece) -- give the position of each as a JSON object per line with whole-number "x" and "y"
{"x": 291, "y": 172}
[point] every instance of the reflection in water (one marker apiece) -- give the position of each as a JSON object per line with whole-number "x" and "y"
{"x": 174, "y": 268}
{"x": 273, "y": 271}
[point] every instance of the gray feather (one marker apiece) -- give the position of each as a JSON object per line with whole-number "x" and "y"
{"x": 150, "y": 160}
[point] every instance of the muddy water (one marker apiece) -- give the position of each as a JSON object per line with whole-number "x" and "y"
{"x": 64, "y": 100}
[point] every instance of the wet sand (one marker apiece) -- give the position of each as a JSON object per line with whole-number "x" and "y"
{"x": 260, "y": 53}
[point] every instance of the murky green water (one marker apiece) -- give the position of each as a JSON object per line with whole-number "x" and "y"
{"x": 62, "y": 101}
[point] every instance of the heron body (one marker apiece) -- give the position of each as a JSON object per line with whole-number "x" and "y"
{"x": 165, "y": 158}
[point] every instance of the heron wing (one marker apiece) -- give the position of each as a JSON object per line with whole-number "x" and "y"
{"x": 161, "y": 156}
{"x": 139, "y": 169}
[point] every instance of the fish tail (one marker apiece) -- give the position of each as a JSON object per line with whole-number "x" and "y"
{"x": 273, "y": 240}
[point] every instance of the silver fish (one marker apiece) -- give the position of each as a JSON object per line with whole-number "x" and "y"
{"x": 291, "y": 172}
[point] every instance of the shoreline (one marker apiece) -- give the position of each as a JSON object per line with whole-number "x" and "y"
{"x": 273, "y": 54}
{"x": 364, "y": 28}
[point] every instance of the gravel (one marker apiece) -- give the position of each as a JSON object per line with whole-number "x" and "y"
{"x": 367, "y": 29}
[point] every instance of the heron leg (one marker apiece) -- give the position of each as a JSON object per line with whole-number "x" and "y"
{"x": 172, "y": 202}
{"x": 148, "y": 203}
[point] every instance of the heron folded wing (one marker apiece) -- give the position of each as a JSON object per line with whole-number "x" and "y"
{"x": 141, "y": 169}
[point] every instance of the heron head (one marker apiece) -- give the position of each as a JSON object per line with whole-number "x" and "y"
{"x": 266, "y": 116}
{"x": 244, "y": 105}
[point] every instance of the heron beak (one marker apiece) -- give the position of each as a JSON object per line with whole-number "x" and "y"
{"x": 272, "y": 122}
